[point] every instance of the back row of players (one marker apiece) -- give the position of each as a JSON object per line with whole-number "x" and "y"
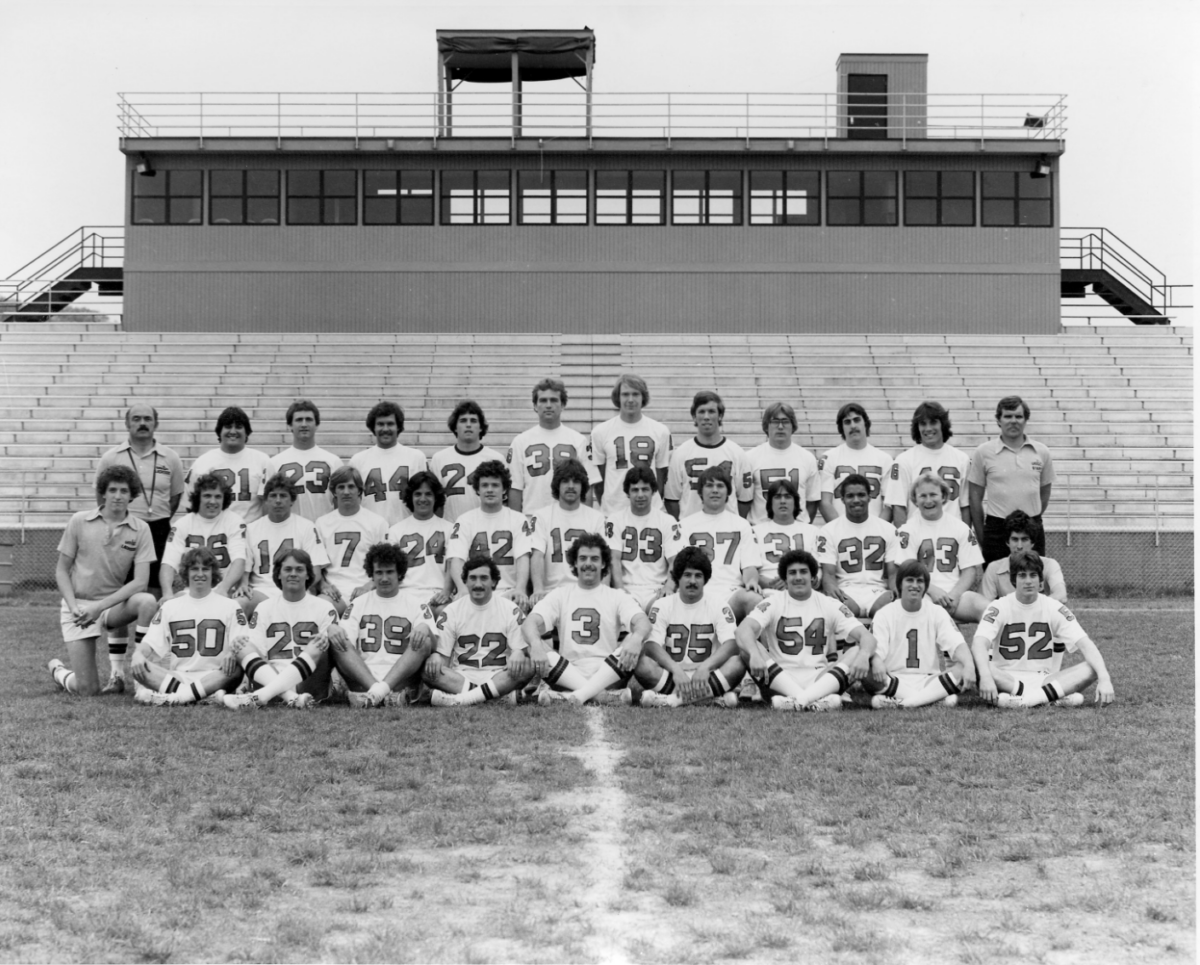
{"x": 780, "y": 482}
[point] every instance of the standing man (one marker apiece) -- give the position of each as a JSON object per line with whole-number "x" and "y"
{"x": 1012, "y": 472}
{"x": 241, "y": 469}
{"x": 535, "y": 452}
{"x": 681, "y": 495}
{"x": 306, "y": 465}
{"x": 626, "y": 440}
{"x": 854, "y": 456}
{"x": 780, "y": 458}
{"x": 454, "y": 464}
{"x": 930, "y": 431}
{"x": 160, "y": 472}
{"x": 387, "y": 466}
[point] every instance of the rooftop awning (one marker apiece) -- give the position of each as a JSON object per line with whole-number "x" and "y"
{"x": 485, "y": 56}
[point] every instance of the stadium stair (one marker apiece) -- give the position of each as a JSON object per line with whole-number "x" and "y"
{"x": 1114, "y": 406}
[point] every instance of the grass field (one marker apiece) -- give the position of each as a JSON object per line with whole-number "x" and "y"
{"x": 611, "y": 834}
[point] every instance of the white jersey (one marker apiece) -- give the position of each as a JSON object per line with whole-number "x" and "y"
{"x": 279, "y": 628}
{"x": 728, "y": 541}
{"x": 589, "y": 622}
{"x": 424, "y": 542}
{"x": 346, "y": 540}
{"x": 913, "y": 642}
{"x": 641, "y": 546}
{"x": 308, "y": 470}
{"x": 454, "y": 468}
{"x": 195, "y": 632}
{"x": 534, "y": 454}
{"x": 775, "y": 540}
{"x": 504, "y": 536}
{"x": 380, "y": 627}
{"x": 225, "y": 535}
{"x": 802, "y": 634}
{"x": 690, "y": 633}
{"x": 1030, "y": 636}
{"x": 385, "y": 474}
{"x": 948, "y": 463}
{"x": 267, "y": 542}
{"x": 946, "y": 546}
{"x": 859, "y": 552}
{"x": 769, "y": 465}
{"x": 480, "y": 637}
{"x": 692, "y": 458}
{"x": 840, "y": 461}
{"x": 552, "y": 530}
{"x": 243, "y": 472}
{"x": 998, "y": 583}
{"x": 618, "y": 446}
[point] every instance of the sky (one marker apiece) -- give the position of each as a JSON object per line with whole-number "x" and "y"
{"x": 1127, "y": 71}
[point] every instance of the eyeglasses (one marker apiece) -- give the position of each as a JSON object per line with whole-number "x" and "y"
{"x": 779, "y": 422}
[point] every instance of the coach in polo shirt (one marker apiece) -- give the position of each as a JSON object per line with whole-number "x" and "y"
{"x": 160, "y": 471}
{"x": 1012, "y": 472}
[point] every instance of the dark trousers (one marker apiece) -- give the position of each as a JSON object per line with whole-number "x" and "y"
{"x": 995, "y": 539}
{"x": 160, "y": 529}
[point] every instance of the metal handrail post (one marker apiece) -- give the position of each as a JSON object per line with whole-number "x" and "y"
{"x": 1157, "y": 518}
{"x": 201, "y": 119}
{"x": 1067, "y": 487}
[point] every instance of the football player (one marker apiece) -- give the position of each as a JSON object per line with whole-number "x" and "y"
{"x": 190, "y": 638}
{"x": 495, "y": 531}
{"x": 306, "y": 465}
{"x": 782, "y": 531}
{"x": 930, "y": 431}
{"x": 347, "y": 534}
{"x": 781, "y": 458}
{"x": 423, "y": 537}
{"x": 210, "y": 522}
{"x": 479, "y": 642}
{"x": 590, "y": 620}
{"x": 855, "y": 456}
{"x": 277, "y": 533}
{"x": 709, "y": 447}
{"x": 914, "y": 635}
{"x": 387, "y": 466}
{"x": 801, "y": 628}
{"x": 627, "y": 440}
{"x": 1027, "y": 634}
{"x": 242, "y": 469}
{"x": 1024, "y": 533}
{"x": 535, "y": 452}
{"x": 104, "y": 560}
{"x": 947, "y": 547}
{"x": 645, "y": 537}
{"x": 555, "y": 527}
{"x": 455, "y": 464}
{"x": 858, "y": 552}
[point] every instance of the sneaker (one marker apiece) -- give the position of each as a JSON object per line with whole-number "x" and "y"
{"x": 832, "y": 702}
{"x": 396, "y": 699}
{"x": 749, "y": 691}
{"x": 115, "y": 685}
{"x": 546, "y": 697}
{"x": 610, "y": 697}
{"x": 1009, "y": 702}
{"x": 880, "y": 702}
{"x": 54, "y": 666}
{"x": 950, "y": 701}
{"x": 626, "y": 696}
{"x": 728, "y": 701}
{"x": 439, "y": 698}
{"x": 242, "y": 701}
{"x": 216, "y": 698}
{"x": 359, "y": 699}
{"x": 301, "y": 702}
{"x": 1071, "y": 700}
{"x": 151, "y": 698}
{"x": 653, "y": 699}
{"x": 779, "y": 702}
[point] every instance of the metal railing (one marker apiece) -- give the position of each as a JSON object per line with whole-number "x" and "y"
{"x": 1103, "y": 250}
{"x": 566, "y": 114}
{"x": 92, "y": 246}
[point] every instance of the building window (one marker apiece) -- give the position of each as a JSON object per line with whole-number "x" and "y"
{"x": 397, "y": 197}
{"x": 168, "y": 197}
{"x": 322, "y": 197}
{"x": 476, "y": 197}
{"x": 861, "y": 198}
{"x": 1017, "y": 198}
{"x": 706, "y": 197}
{"x": 630, "y": 197}
{"x": 785, "y": 197}
{"x": 552, "y": 197}
{"x": 939, "y": 198}
{"x": 243, "y": 197}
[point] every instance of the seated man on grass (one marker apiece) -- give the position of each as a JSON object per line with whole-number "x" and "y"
{"x": 913, "y": 634}
{"x": 801, "y": 628}
{"x": 185, "y": 657}
{"x": 1023, "y": 534}
{"x": 1027, "y": 634}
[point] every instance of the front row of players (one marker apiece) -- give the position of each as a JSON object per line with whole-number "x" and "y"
{"x": 804, "y": 649}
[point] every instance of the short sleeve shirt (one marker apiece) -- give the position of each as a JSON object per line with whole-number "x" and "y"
{"x": 729, "y": 543}
{"x": 946, "y": 546}
{"x": 913, "y": 642}
{"x": 841, "y": 461}
{"x": 618, "y": 446}
{"x": 346, "y": 540}
{"x": 690, "y": 633}
{"x": 480, "y": 637}
{"x": 641, "y": 546}
{"x": 948, "y": 463}
{"x": 243, "y": 472}
{"x": 280, "y": 628}
{"x": 998, "y": 583}
{"x": 101, "y": 561}
{"x": 380, "y": 627}
{"x": 161, "y": 473}
{"x": 225, "y": 535}
{"x": 768, "y": 465}
{"x": 454, "y": 469}
{"x": 692, "y": 458}
{"x": 1033, "y": 636}
{"x": 802, "y": 634}
{"x": 308, "y": 470}
{"x": 553, "y": 530}
{"x": 775, "y": 540}
{"x": 1012, "y": 479}
{"x": 589, "y": 621}
{"x": 385, "y": 474}
{"x": 859, "y": 552}
{"x": 195, "y": 632}
{"x": 504, "y": 536}
{"x": 424, "y": 542}
{"x": 266, "y": 542}
{"x": 534, "y": 454}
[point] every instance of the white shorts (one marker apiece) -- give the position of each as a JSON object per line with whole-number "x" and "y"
{"x": 72, "y": 631}
{"x": 908, "y": 685}
{"x": 1032, "y": 679}
{"x": 476, "y": 675}
{"x": 803, "y": 676}
{"x": 645, "y": 594}
{"x": 863, "y": 595}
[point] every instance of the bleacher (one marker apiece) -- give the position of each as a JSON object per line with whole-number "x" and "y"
{"x": 1114, "y": 405}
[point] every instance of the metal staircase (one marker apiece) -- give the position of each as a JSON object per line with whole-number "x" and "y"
{"x": 1118, "y": 275}
{"x": 91, "y": 256}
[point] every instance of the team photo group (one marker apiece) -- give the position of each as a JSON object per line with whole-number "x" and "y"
{"x": 618, "y": 568}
